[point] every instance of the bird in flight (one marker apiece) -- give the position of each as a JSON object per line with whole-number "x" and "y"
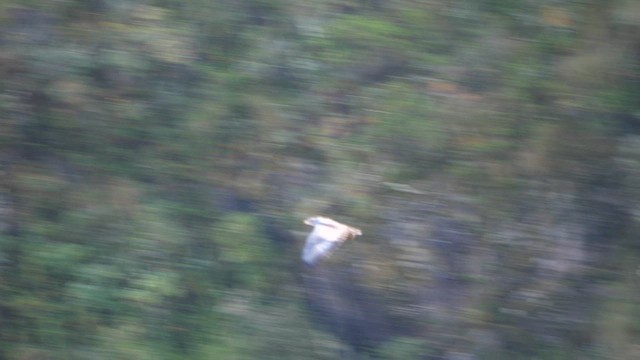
{"x": 326, "y": 236}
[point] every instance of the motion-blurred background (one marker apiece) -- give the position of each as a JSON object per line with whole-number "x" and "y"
{"x": 157, "y": 159}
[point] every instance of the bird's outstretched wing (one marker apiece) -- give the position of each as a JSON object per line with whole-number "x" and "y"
{"x": 326, "y": 236}
{"x": 317, "y": 247}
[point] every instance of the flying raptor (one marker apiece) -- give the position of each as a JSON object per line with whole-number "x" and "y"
{"x": 326, "y": 236}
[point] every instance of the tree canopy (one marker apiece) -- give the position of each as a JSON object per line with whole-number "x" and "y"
{"x": 157, "y": 159}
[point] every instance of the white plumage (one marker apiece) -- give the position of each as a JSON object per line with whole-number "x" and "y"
{"x": 326, "y": 236}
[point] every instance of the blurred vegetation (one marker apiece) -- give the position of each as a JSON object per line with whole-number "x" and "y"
{"x": 156, "y": 159}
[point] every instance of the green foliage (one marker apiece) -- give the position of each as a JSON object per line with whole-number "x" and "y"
{"x": 407, "y": 127}
{"x": 355, "y": 46}
{"x": 245, "y": 252}
{"x": 402, "y": 348}
{"x": 153, "y": 158}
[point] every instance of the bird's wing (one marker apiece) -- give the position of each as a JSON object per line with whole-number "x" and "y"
{"x": 320, "y": 243}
